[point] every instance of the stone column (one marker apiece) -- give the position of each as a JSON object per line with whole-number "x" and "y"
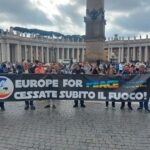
{"x": 47, "y": 51}
{"x": 26, "y": 53}
{"x": 119, "y": 55}
{"x": 51, "y": 54}
{"x": 140, "y": 53}
{"x": 3, "y": 47}
{"x": 128, "y": 54}
{"x": 134, "y": 54}
{"x": 122, "y": 54}
{"x": 146, "y": 54}
{"x": 31, "y": 53}
{"x": 8, "y": 52}
{"x": 42, "y": 56}
{"x": 18, "y": 52}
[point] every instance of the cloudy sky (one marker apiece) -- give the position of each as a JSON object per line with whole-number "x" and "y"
{"x": 124, "y": 17}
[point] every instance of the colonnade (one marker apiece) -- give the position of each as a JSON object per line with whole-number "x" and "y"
{"x": 129, "y": 53}
{"x": 47, "y": 53}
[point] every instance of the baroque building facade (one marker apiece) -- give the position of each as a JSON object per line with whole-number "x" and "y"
{"x": 15, "y": 47}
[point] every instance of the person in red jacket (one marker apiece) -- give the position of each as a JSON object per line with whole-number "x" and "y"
{"x": 39, "y": 68}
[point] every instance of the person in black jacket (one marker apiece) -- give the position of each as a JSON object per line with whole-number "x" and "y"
{"x": 144, "y": 104}
{"x": 3, "y": 69}
{"x": 78, "y": 70}
{"x": 2, "y": 106}
{"x": 24, "y": 69}
{"x": 126, "y": 72}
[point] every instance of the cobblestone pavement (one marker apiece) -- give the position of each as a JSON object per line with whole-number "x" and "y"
{"x": 68, "y": 128}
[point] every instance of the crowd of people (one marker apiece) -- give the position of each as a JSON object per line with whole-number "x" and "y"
{"x": 109, "y": 69}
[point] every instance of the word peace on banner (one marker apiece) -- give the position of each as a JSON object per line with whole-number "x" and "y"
{"x": 70, "y": 87}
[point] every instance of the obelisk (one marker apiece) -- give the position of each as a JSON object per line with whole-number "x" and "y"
{"x": 95, "y": 30}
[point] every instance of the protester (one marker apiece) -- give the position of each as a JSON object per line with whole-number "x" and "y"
{"x": 24, "y": 69}
{"x": 110, "y": 69}
{"x": 111, "y": 72}
{"x": 87, "y": 68}
{"x": 51, "y": 70}
{"x": 78, "y": 70}
{"x": 3, "y": 69}
{"x": 39, "y": 68}
{"x": 142, "y": 70}
{"x": 2, "y": 106}
{"x": 126, "y": 72}
{"x": 96, "y": 69}
{"x": 105, "y": 68}
{"x": 120, "y": 67}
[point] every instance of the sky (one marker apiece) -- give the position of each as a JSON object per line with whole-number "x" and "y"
{"x": 124, "y": 17}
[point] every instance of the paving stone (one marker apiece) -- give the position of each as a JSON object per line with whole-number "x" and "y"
{"x": 68, "y": 128}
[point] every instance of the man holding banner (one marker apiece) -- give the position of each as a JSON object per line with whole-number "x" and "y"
{"x": 78, "y": 70}
{"x": 126, "y": 72}
{"x": 26, "y": 70}
{"x": 142, "y": 70}
{"x": 145, "y": 105}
